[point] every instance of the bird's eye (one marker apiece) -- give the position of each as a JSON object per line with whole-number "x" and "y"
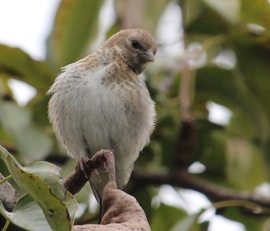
{"x": 135, "y": 44}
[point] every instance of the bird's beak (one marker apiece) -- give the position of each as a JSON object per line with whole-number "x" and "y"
{"x": 149, "y": 56}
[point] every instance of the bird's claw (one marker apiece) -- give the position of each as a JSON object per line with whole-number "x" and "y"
{"x": 82, "y": 165}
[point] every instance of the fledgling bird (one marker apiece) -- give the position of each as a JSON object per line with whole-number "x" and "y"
{"x": 100, "y": 102}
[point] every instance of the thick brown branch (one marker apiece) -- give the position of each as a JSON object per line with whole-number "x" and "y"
{"x": 83, "y": 170}
{"x": 75, "y": 181}
{"x": 186, "y": 180}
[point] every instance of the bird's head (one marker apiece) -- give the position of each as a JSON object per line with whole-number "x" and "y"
{"x": 137, "y": 47}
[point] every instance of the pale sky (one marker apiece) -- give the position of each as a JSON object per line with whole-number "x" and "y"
{"x": 26, "y": 24}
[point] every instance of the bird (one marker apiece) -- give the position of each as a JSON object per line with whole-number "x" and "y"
{"x": 102, "y": 102}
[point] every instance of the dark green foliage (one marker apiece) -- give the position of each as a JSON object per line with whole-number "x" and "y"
{"x": 235, "y": 155}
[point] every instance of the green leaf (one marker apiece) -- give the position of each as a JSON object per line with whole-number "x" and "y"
{"x": 39, "y": 107}
{"x": 27, "y": 215}
{"x": 165, "y": 217}
{"x": 32, "y": 142}
{"x": 188, "y": 223}
{"x": 229, "y": 89}
{"x": 251, "y": 223}
{"x": 254, "y": 53}
{"x": 243, "y": 160}
{"x": 228, "y": 9}
{"x": 132, "y": 9}
{"x": 144, "y": 199}
{"x": 4, "y": 87}
{"x": 50, "y": 173}
{"x": 251, "y": 9}
{"x": 75, "y": 26}
{"x": 54, "y": 208}
{"x": 16, "y": 63}
{"x": 199, "y": 20}
{"x": 210, "y": 149}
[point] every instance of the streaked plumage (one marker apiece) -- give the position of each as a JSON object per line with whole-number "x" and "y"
{"x": 100, "y": 102}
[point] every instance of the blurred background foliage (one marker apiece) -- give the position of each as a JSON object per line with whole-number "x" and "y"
{"x": 212, "y": 55}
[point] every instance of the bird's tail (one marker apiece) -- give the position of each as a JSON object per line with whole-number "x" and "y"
{"x": 98, "y": 181}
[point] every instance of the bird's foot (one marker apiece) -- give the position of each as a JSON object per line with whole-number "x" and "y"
{"x": 105, "y": 158}
{"x": 83, "y": 165}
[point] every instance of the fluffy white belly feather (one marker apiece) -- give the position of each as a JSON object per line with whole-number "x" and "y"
{"x": 90, "y": 113}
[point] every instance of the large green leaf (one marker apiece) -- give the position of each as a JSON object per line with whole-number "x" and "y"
{"x": 39, "y": 107}
{"x": 75, "y": 26}
{"x": 134, "y": 13}
{"x": 210, "y": 148}
{"x": 144, "y": 199}
{"x": 253, "y": 56}
{"x": 16, "y": 63}
{"x": 200, "y": 19}
{"x": 245, "y": 161}
{"x": 43, "y": 183}
{"x": 165, "y": 217}
{"x": 228, "y": 88}
{"x": 228, "y": 9}
{"x": 31, "y": 140}
{"x": 27, "y": 215}
{"x": 188, "y": 223}
{"x": 251, "y": 9}
{"x": 50, "y": 174}
{"x": 251, "y": 222}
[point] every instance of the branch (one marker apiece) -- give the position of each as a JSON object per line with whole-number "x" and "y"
{"x": 84, "y": 168}
{"x": 123, "y": 213}
{"x": 120, "y": 210}
{"x": 8, "y": 195}
{"x": 186, "y": 180}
